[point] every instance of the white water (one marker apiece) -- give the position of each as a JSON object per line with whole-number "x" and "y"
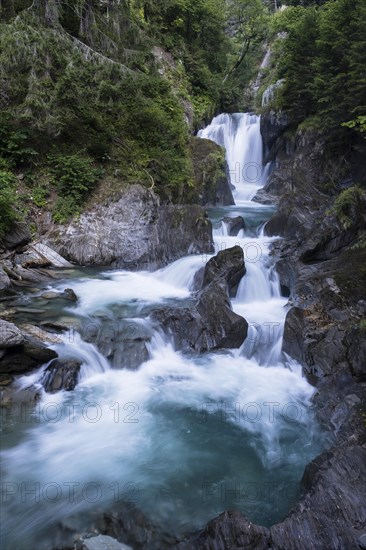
{"x": 241, "y": 137}
{"x": 176, "y": 423}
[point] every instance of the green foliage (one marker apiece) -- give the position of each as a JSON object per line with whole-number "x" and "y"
{"x": 74, "y": 177}
{"x": 8, "y": 200}
{"x": 15, "y": 143}
{"x": 65, "y": 208}
{"x": 323, "y": 64}
{"x": 39, "y": 196}
{"x": 359, "y": 124}
{"x": 349, "y": 206}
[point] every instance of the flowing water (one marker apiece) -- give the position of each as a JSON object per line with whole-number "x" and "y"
{"x": 183, "y": 437}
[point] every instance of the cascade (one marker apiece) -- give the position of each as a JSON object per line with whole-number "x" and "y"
{"x": 179, "y": 424}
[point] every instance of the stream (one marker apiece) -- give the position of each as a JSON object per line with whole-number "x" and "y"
{"x": 183, "y": 437}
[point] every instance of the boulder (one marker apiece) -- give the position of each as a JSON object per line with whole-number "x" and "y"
{"x": 136, "y": 232}
{"x": 124, "y": 343}
{"x": 234, "y": 225}
{"x": 61, "y": 375}
{"x": 227, "y": 265}
{"x": 18, "y": 235}
{"x": 10, "y": 335}
{"x": 211, "y": 323}
{"x": 224, "y": 327}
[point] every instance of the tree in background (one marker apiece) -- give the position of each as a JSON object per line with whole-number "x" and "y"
{"x": 249, "y": 23}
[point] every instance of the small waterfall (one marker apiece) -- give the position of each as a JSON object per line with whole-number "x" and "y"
{"x": 92, "y": 361}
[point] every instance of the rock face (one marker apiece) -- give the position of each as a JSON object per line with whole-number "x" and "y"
{"x": 212, "y": 184}
{"x": 211, "y": 323}
{"x": 61, "y": 375}
{"x": 134, "y": 233}
{"x": 273, "y": 126}
{"x": 18, "y": 235}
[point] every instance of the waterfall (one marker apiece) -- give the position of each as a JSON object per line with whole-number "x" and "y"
{"x": 240, "y": 135}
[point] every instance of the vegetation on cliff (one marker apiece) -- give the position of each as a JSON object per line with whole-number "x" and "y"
{"x": 106, "y": 87}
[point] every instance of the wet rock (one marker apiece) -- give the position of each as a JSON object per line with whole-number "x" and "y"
{"x": 69, "y": 294}
{"x": 227, "y": 265}
{"x": 211, "y": 323}
{"x": 135, "y": 232}
{"x": 30, "y": 275}
{"x": 234, "y": 225}
{"x": 130, "y": 526}
{"x": 26, "y": 357}
{"x": 10, "y": 335}
{"x": 230, "y": 530}
{"x": 33, "y": 260}
{"x": 18, "y": 235}
{"x": 362, "y": 542}
{"x": 5, "y": 379}
{"x": 61, "y": 375}
{"x": 124, "y": 343}
{"x": 54, "y": 326}
{"x": 50, "y": 295}
{"x": 223, "y": 327}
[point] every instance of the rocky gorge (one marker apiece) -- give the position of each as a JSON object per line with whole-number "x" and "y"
{"x": 315, "y": 260}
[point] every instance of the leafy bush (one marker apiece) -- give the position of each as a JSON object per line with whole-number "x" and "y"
{"x": 7, "y": 200}
{"x": 39, "y": 196}
{"x": 73, "y": 175}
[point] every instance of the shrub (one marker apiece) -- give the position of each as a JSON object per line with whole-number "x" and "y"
{"x": 73, "y": 175}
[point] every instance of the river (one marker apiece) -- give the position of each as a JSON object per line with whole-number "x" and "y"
{"x": 184, "y": 437}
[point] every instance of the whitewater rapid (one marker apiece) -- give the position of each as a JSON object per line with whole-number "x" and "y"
{"x": 165, "y": 432}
